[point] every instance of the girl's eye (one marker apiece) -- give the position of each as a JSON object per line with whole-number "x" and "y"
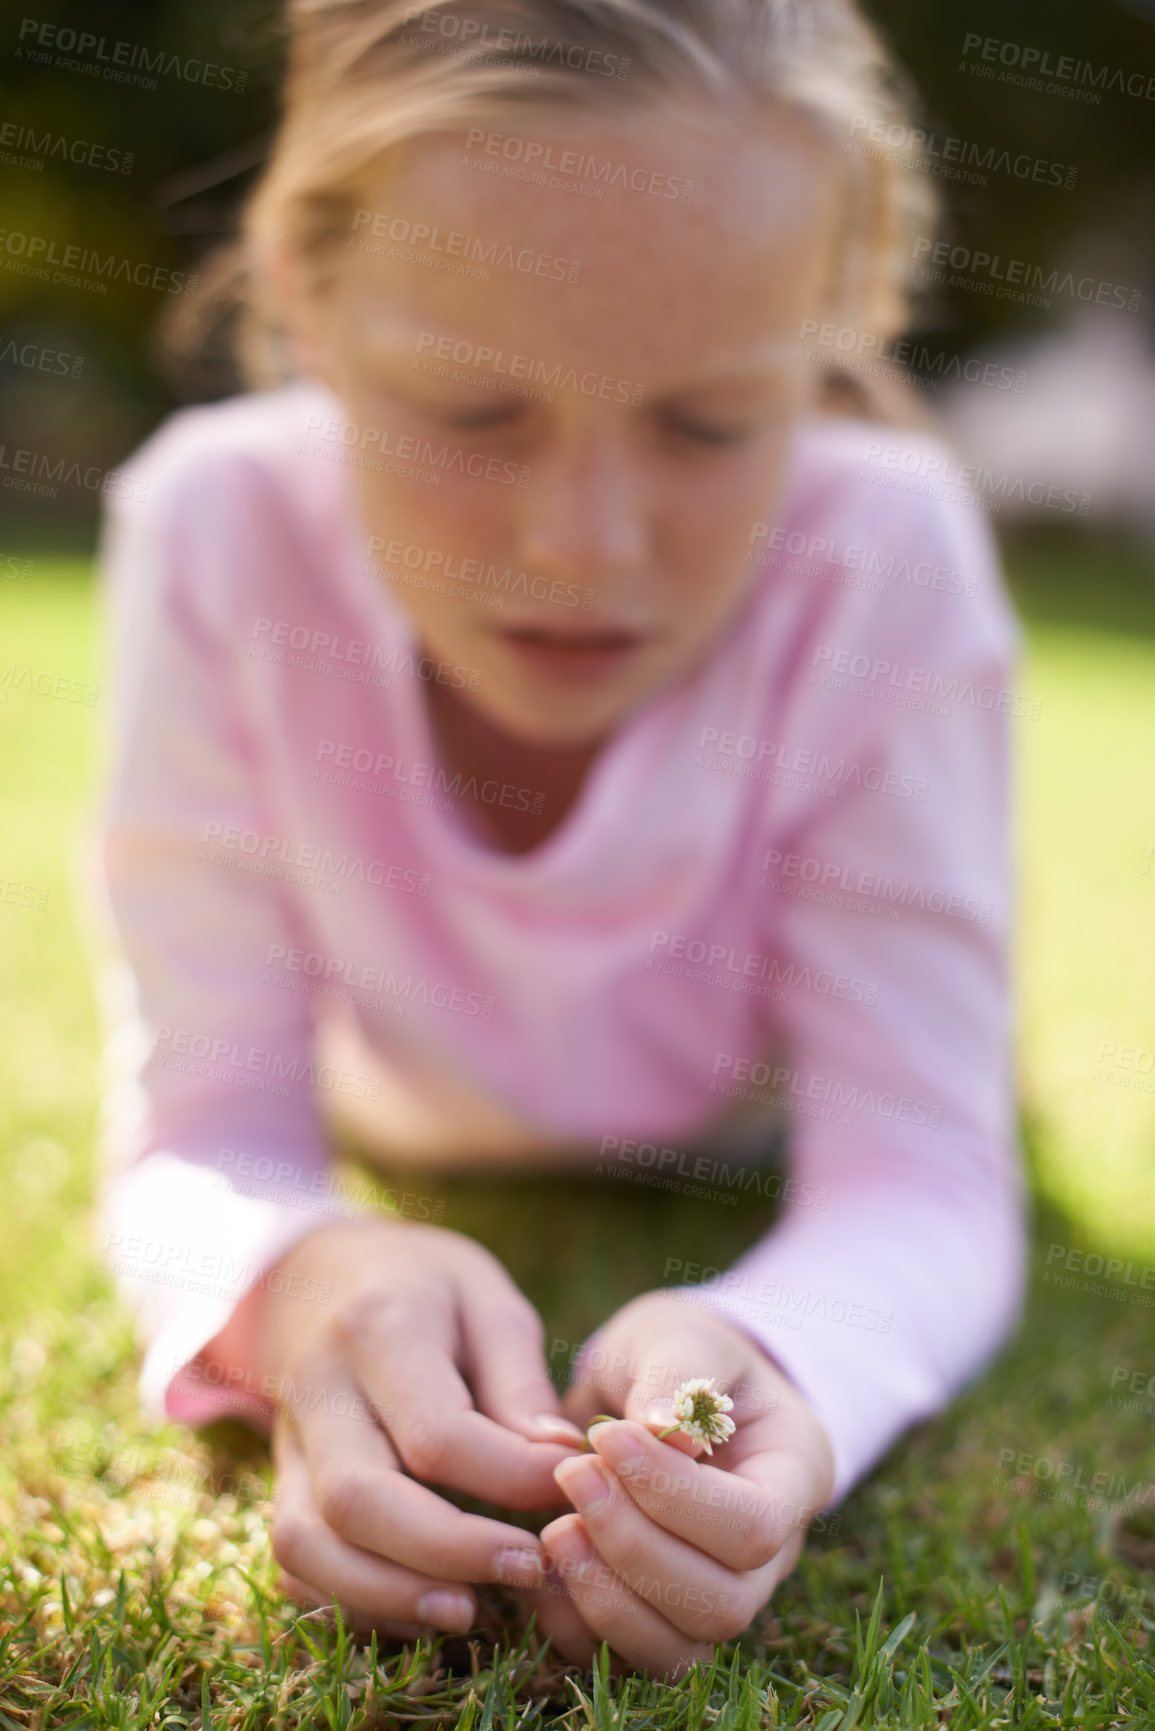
{"x": 476, "y": 420}
{"x": 705, "y": 432}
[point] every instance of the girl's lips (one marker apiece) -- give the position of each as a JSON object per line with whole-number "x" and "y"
{"x": 576, "y": 655}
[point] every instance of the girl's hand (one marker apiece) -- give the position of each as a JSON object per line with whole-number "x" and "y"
{"x": 667, "y": 1553}
{"x": 426, "y": 1364}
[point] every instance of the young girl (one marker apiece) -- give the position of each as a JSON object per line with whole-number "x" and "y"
{"x": 547, "y": 732}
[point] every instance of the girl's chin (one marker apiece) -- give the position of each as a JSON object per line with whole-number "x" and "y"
{"x": 558, "y": 726}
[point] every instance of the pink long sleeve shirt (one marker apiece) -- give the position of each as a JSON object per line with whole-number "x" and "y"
{"x": 782, "y": 896}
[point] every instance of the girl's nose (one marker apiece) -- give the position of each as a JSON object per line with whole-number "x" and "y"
{"x": 583, "y": 513}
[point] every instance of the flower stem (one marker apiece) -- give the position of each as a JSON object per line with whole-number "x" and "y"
{"x": 598, "y": 1418}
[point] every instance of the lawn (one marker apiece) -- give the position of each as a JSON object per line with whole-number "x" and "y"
{"x": 983, "y": 1576}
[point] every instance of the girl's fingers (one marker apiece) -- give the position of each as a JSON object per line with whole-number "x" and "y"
{"x": 360, "y": 1624}
{"x": 363, "y": 1497}
{"x": 402, "y": 1349}
{"x": 669, "y": 1352}
{"x": 699, "y": 1596}
{"x": 505, "y": 1361}
{"x": 740, "y": 1518}
{"x": 612, "y": 1611}
{"x": 329, "y": 1569}
{"x": 636, "y": 1374}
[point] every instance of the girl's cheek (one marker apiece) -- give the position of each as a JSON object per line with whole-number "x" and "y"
{"x": 443, "y": 514}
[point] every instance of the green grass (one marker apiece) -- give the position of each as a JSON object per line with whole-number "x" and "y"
{"x": 136, "y": 1581}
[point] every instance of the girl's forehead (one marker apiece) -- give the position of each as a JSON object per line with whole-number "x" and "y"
{"x": 595, "y": 171}
{"x": 659, "y": 234}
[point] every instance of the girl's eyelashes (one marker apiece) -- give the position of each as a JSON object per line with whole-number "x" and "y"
{"x": 681, "y": 426}
{"x": 463, "y": 417}
{"x": 477, "y": 420}
{"x": 512, "y": 416}
{"x": 709, "y": 433}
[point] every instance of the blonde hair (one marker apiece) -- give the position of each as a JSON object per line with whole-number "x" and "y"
{"x": 366, "y": 75}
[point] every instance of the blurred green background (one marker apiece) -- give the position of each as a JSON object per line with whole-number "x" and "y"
{"x": 196, "y": 146}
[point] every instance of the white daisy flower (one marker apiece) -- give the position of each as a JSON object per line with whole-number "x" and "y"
{"x": 701, "y": 1412}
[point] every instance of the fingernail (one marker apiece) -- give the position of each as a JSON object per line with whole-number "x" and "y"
{"x": 661, "y": 1413}
{"x": 446, "y": 1609}
{"x": 525, "y": 1567}
{"x": 619, "y": 1446}
{"x": 583, "y": 1483}
{"x": 576, "y": 1552}
{"x": 554, "y": 1428}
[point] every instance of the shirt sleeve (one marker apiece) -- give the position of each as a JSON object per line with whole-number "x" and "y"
{"x": 896, "y": 1268}
{"x": 212, "y": 1161}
